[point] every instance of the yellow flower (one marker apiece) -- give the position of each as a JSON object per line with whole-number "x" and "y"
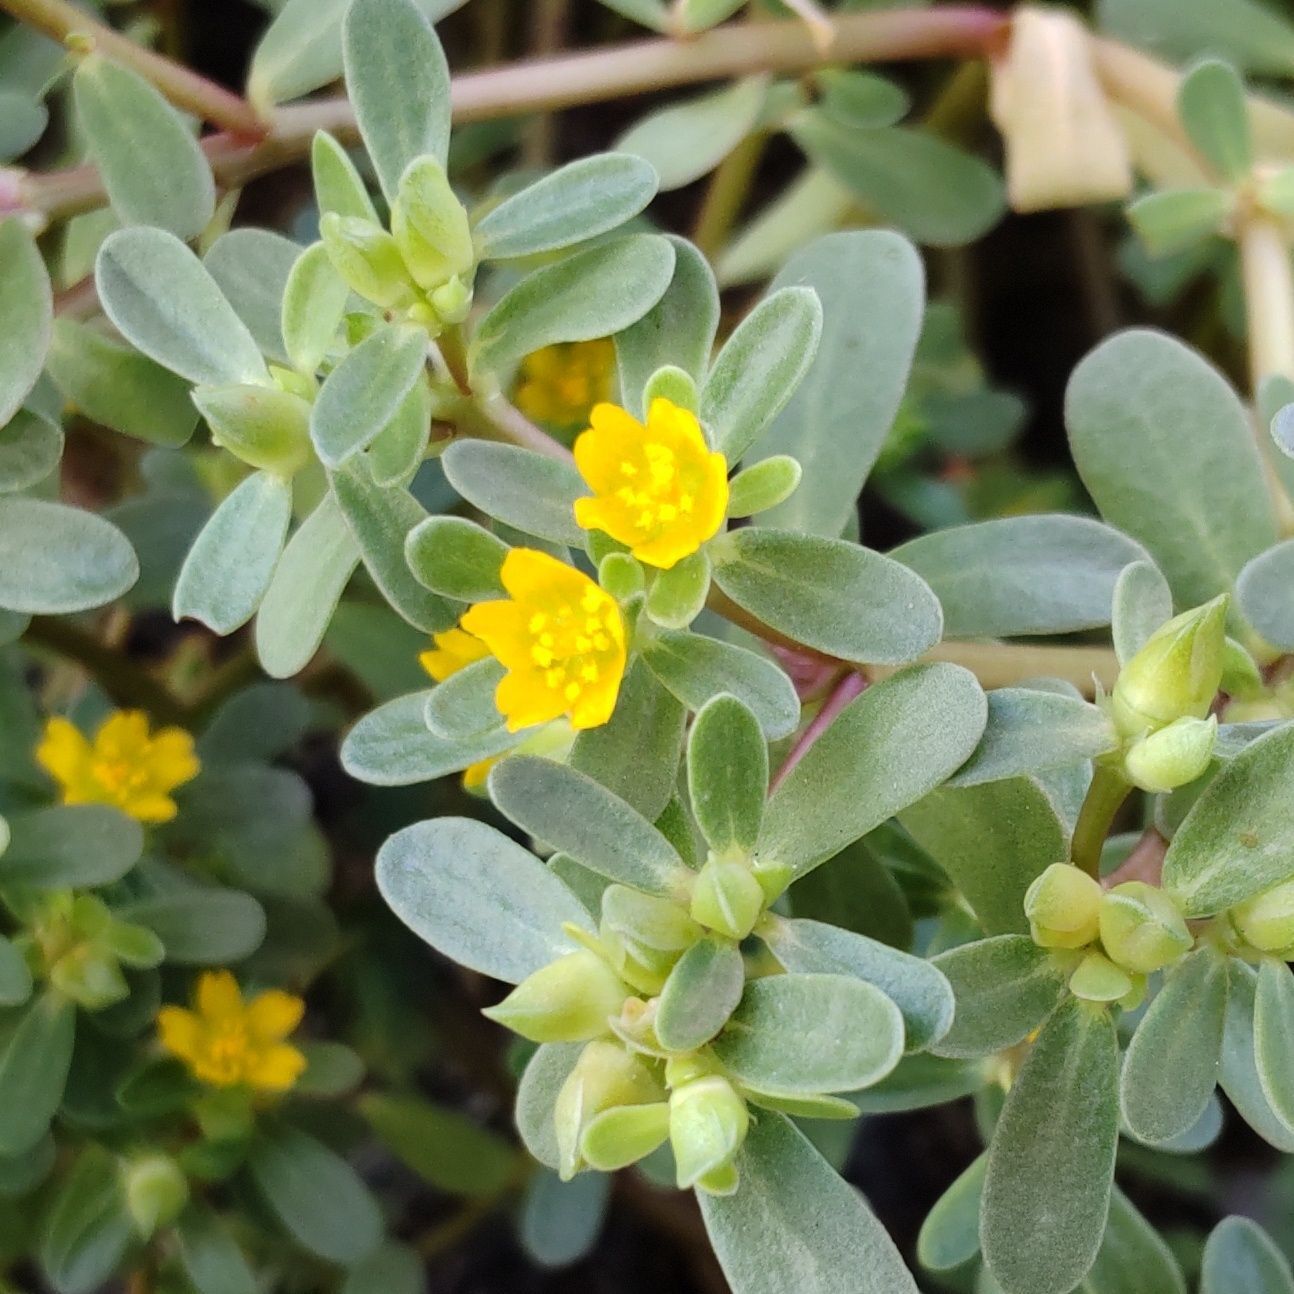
{"x": 658, "y": 489}
{"x": 474, "y": 775}
{"x": 561, "y": 639}
{"x": 125, "y": 766}
{"x": 560, "y": 384}
{"x": 453, "y": 650}
{"x": 228, "y": 1042}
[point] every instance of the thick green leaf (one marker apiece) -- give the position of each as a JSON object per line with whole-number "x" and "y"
{"x": 572, "y": 813}
{"x": 1051, "y": 1163}
{"x": 56, "y": 559}
{"x": 1251, "y": 34}
{"x": 478, "y": 897}
{"x": 1005, "y": 987}
{"x": 149, "y": 160}
{"x": 1165, "y": 448}
{"x": 696, "y": 668}
{"x": 1238, "y": 1073}
{"x": 829, "y": 594}
{"x": 307, "y": 584}
{"x": 26, "y": 315}
{"x": 560, "y": 1221}
{"x": 231, "y": 563}
{"x": 1172, "y": 1062}
{"x": 759, "y": 368}
{"x": 315, "y": 1194}
{"x": 1211, "y": 104}
{"x": 793, "y": 1224}
{"x": 527, "y": 490}
{"x": 992, "y": 840}
{"x": 15, "y": 975}
{"x": 1133, "y": 1258}
{"x": 1274, "y": 1037}
{"x": 856, "y": 890}
{"x": 678, "y": 330}
{"x": 592, "y": 293}
{"x": 1234, "y": 843}
{"x": 463, "y": 705}
{"x": 807, "y": 1034}
{"x": 542, "y": 1080}
{"x": 33, "y": 1071}
{"x": 841, "y": 413}
{"x": 389, "y": 1269}
{"x": 585, "y": 198}
{"x": 1142, "y": 602}
{"x": 30, "y": 449}
{"x": 950, "y": 1234}
{"x": 727, "y": 774}
{"x": 456, "y": 558}
{"x": 917, "y": 988}
{"x": 685, "y": 141}
{"x": 201, "y": 925}
{"x": 1265, "y": 594}
{"x": 89, "y": 1228}
{"x": 1022, "y": 575}
{"x": 210, "y": 1256}
{"x": 929, "y": 188}
{"x": 166, "y": 304}
{"x": 1241, "y": 1258}
{"x": 314, "y": 301}
{"x": 700, "y": 995}
{"x": 1176, "y": 220}
{"x": 70, "y": 846}
{"x": 363, "y": 393}
{"x": 252, "y": 267}
{"x": 398, "y": 81}
{"x": 884, "y": 751}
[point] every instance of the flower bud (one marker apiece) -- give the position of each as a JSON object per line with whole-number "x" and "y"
{"x": 430, "y": 225}
{"x": 1064, "y": 147}
{"x": 265, "y": 427}
{"x": 568, "y": 1000}
{"x": 1266, "y": 921}
{"x": 708, "y": 1120}
{"x": 604, "y": 1077}
{"x": 452, "y": 301}
{"x": 727, "y": 897}
{"x": 644, "y": 935}
{"x": 156, "y": 1192}
{"x": 1098, "y": 979}
{"x": 1176, "y": 674}
{"x": 622, "y": 1136}
{"x": 90, "y": 976}
{"x": 1241, "y": 677}
{"x": 367, "y": 257}
{"x": 1141, "y": 928}
{"x": 1173, "y": 756}
{"x": 1064, "y": 907}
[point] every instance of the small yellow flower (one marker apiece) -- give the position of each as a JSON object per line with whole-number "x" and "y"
{"x": 453, "y": 650}
{"x": 658, "y": 489}
{"x": 125, "y": 766}
{"x": 227, "y": 1042}
{"x": 561, "y": 639}
{"x": 474, "y": 775}
{"x": 560, "y": 384}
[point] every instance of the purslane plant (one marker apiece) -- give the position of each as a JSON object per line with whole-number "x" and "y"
{"x": 735, "y": 750}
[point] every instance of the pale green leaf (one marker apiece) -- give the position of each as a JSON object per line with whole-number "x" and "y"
{"x": 1142, "y": 602}
{"x": 727, "y": 774}
{"x": 1238, "y": 1072}
{"x": 1274, "y": 1037}
{"x": 70, "y": 846}
{"x": 33, "y": 1070}
{"x": 26, "y": 315}
{"x": 251, "y": 267}
{"x": 314, "y": 300}
{"x": 1211, "y": 104}
{"x": 1241, "y": 1258}
{"x": 30, "y": 448}
{"x": 700, "y": 995}
{"x": 950, "y": 1234}
{"x": 1265, "y": 594}
{"x": 527, "y": 490}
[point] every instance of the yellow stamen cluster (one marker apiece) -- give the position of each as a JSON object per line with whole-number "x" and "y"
{"x": 560, "y": 384}
{"x": 657, "y": 488}
{"x": 227, "y": 1042}
{"x": 561, "y": 639}
{"x": 125, "y": 766}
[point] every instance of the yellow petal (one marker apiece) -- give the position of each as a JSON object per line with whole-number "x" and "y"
{"x": 63, "y": 751}
{"x": 149, "y": 807}
{"x": 179, "y": 1031}
{"x": 276, "y": 1068}
{"x": 272, "y": 1015}
{"x": 172, "y": 759}
{"x": 524, "y": 701}
{"x": 219, "y": 997}
{"x": 122, "y": 735}
{"x": 501, "y": 626}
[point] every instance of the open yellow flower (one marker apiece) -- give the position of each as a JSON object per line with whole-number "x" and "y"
{"x": 560, "y": 384}
{"x": 451, "y": 651}
{"x": 227, "y": 1042}
{"x": 561, "y": 639}
{"x": 658, "y": 488}
{"x": 125, "y": 766}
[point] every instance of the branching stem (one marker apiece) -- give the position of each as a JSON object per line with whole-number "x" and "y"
{"x": 1104, "y": 799}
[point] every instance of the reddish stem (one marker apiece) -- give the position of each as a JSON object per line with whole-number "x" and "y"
{"x": 851, "y": 684}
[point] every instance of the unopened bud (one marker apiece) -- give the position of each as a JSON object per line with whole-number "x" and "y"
{"x": 569, "y": 1000}
{"x": 604, "y": 1077}
{"x": 90, "y": 976}
{"x": 1176, "y": 674}
{"x": 452, "y": 301}
{"x": 262, "y": 425}
{"x": 1266, "y": 921}
{"x": 1173, "y": 756}
{"x": 727, "y": 897}
{"x": 430, "y": 225}
{"x": 367, "y": 257}
{"x": 645, "y": 935}
{"x": 1097, "y": 979}
{"x": 1064, "y": 907}
{"x": 1241, "y": 677}
{"x": 156, "y": 1192}
{"x": 1141, "y": 927}
{"x": 624, "y": 1135}
{"x": 708, "y": 1120}
{"x": 1064, "y": 147}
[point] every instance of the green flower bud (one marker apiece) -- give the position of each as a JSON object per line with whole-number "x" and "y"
{"x": 1266, "y": 921}
{"x": 708, "y": 1120}
{"x": 156, "y": 1192}
{"x": 367, "y": 257}
{"x": 90, "y": 977}
{"x": 604, "y": 1077}
{"x": 763, "y": 486}
{"x": 1176, "y": 674}
{"x": 430, "y": 225}
{"x": 261, "y": 425}
{"x": 1173, "y": 756}
{"x": 1241, "y": 677}
{"x": 568, "y": 1000}
{"x": 1064, "y": 907}
{"x": 644, "y": 935}
{"x": 635, "y": 1026}
{"x": 622, "y": 1136}
{"x": 452, "y": 301}
{"x": 1141, "y": 928}
{"x": 1098, "y": 979}
{"x": 727, "y": 897}
{"x": 621, "y": 575}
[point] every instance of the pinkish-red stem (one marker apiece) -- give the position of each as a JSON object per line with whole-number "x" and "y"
{"x": 851, "y": 684}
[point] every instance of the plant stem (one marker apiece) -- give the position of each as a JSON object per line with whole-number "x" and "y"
{"x": 547, "y": 84}
{"x": 184, "y": 88}
{"x": 727, "y": 193}
{"x": 1104, "y": 799}
{"x": 849, "y": 686}
{"x": 1000, "y": 664}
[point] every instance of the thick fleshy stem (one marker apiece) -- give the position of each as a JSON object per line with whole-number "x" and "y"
{"x": 1105, "y": 798}
{"x": 851, "y": 685}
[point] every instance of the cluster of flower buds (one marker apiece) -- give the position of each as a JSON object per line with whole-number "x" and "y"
{"x": 1266, "y": 922}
